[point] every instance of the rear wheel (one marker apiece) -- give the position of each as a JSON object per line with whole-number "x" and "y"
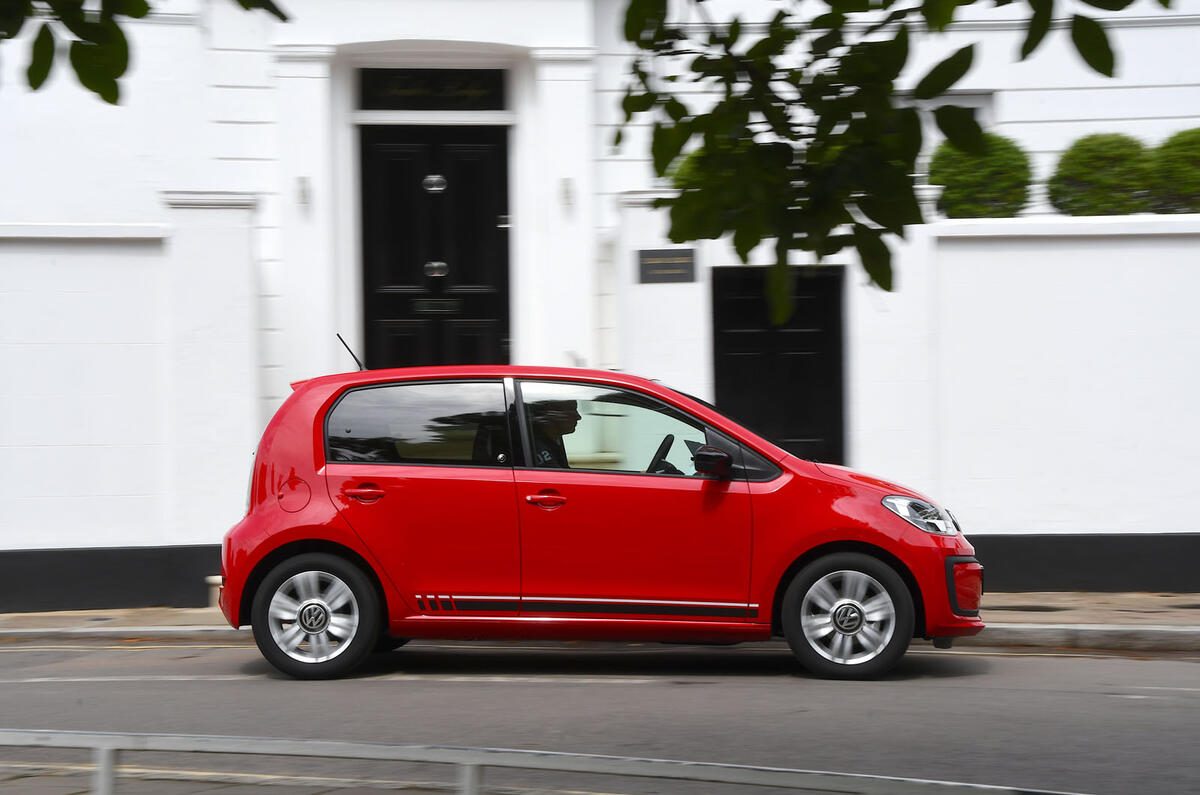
{"x": 315, "y": 616}
{"x": 848, "y": 616}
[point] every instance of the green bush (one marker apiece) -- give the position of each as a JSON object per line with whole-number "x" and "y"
{"x": 992, "y": 185}
{"x": 1176, "y": 173}
{"x": 1104, "y": 174}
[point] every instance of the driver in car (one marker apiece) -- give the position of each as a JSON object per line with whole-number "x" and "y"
{"x": 552, "y": 420}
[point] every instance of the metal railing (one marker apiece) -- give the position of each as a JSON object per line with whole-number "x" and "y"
{"x": 470, "y": 762}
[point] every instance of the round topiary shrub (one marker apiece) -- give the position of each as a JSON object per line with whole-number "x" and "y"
{"x": 1104, "y": 174}
{"x": 1176, "y": 173}
{"x": 994, "y": 184}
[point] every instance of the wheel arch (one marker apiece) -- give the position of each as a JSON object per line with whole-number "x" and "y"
{"x": 300, "y": 547}
{"x": 864, "y": 548}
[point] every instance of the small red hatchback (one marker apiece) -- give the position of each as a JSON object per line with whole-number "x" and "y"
{"x": 522, "y": 502}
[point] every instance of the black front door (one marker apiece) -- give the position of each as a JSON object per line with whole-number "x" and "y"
{"x": 783, "y": 382}
{"x": 435, "y": 245}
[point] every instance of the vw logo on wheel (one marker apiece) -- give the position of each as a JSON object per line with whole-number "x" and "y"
{"x": 847, "y": 619}
{"x": 313, "y": 618}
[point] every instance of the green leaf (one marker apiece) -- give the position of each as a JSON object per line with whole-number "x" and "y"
{"x": 779, "y": 287}
{"x": 676, "y": 109}
{"x": 92, "y": 69}
{"x": 875, "y": 256}
{"x": 1110, "y": 5}
{"x": 941, "y": 77}
{"x": 137, "y": 9}
{"x": 637, "y": 103}
{"x": 1092, "y": 43}
{"x": 960, "y": 128}
{"x": 642, "y": 15}
{"x": 893, "y": 55}
{"x": 735, "y": 32}
{"x": 938, "y": 13}
{"x": 265, "y": 5}
{"x": 618, "y": 137}
{"x": 1039, "y": 23}
{"x": 13, "y": 14}
{"x": 41, "y": 58}
{"x": 745, "y": 238}
{"x": 909, "y": 129}
{"x": 666, "y": 144}
{"x": 829, "y": 21}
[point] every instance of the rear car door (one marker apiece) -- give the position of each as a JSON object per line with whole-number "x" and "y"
{"x": 423, "y": 473}
{"x": 603, "y": 537}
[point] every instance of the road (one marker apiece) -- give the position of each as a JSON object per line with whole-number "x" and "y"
{"x": 1091, "y": 723}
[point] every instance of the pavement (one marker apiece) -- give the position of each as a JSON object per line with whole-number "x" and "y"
{"x": 1105, "y": 621}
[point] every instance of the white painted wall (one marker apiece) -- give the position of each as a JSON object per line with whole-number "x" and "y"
{"x": 144, "y": 342}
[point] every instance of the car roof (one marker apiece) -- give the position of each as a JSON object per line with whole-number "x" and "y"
{"x": 479, "y": 371}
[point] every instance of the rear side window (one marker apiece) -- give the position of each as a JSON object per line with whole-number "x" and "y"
{"x": 461, "y": 424}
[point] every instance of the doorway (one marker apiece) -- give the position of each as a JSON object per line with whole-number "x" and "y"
{"x": 784, "y": 382}
{"x": 435, "y": 245}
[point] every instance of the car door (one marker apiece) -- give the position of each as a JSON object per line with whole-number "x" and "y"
{"x": 423, "y": 473}
{"x": 603, "y": 537}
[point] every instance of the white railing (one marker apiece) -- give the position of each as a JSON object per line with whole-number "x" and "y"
{"x": 471, "y": 762}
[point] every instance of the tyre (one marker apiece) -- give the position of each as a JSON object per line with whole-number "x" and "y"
{"x": 387, "y": 643}
{"x": 315, "y": 616}
{"x": 847, "y": 616}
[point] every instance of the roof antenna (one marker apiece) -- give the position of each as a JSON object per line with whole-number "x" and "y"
{"x": 356, "y": 359}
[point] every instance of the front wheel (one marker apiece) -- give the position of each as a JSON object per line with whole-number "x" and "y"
{"x": 315, "y": 616}
{"x": 848, "y": 616}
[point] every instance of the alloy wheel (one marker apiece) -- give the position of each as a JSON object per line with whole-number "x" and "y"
{"x": 848, "y": 617}
{"x": 313, "y": 616}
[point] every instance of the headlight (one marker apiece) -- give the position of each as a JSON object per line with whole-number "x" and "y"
{"x": 924, "y": 515}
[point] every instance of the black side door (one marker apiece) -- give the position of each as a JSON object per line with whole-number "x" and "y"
{"x": 435, "y": 245}
{"x": 783, "y": 382}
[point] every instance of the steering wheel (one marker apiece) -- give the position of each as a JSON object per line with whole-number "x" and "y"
{"x": 660, "y": 455}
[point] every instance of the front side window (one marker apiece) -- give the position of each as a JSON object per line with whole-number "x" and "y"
{"x": 459, "y": 424}
{"x": 576, "y": 426}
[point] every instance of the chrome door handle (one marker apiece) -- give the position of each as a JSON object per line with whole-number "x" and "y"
{"x": 365, "y": 493}
{"x": 546, "y": 500}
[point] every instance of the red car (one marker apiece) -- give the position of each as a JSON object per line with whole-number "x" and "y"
{"x": 522, "y": 502}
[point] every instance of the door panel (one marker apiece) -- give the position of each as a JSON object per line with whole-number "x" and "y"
{"x": 435, "y": 250}
{"x": 422, "y": 472}
{"x": 615, "y": 520}
{"x": 438, "y": 531}
{"x": 638, "y": 538}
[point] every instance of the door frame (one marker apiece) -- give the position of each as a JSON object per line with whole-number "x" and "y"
{"x": 349, "y": 311}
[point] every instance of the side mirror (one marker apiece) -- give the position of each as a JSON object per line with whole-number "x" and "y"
{"x": 711, "y": 460}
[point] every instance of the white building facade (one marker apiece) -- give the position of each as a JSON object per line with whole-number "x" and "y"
{"x": 170, "y": 265}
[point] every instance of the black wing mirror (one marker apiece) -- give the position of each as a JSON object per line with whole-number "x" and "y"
{"x": 711, "y": 460}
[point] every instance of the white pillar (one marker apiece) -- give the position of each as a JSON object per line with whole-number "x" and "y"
{"x": 308, "y": 212}
{"x": 555, "y": 281}
{"x": 211, "y": 363}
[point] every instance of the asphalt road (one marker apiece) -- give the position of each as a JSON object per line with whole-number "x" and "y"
{"x": 1091, "y": 723}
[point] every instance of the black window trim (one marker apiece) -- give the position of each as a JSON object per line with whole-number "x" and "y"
{"x": 527, "y": 440}
{"x": 404, "y": 382}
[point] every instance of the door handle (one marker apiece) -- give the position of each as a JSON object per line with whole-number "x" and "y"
{"x": 546, "y": 500}
{"x": 365, "y": 493}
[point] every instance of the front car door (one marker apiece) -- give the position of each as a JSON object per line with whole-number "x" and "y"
{"x": 423, "y": 473}
{"x": 603, "y": 537}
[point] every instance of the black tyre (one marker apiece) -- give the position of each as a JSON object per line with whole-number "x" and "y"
{"x": 848, "y": 616}
{"x": 315, "y": 616}
{"x": 387, "y": 643}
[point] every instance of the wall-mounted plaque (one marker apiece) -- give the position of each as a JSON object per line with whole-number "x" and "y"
{"x": 431, "y": 89}
{"x": 656, "y": 266}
